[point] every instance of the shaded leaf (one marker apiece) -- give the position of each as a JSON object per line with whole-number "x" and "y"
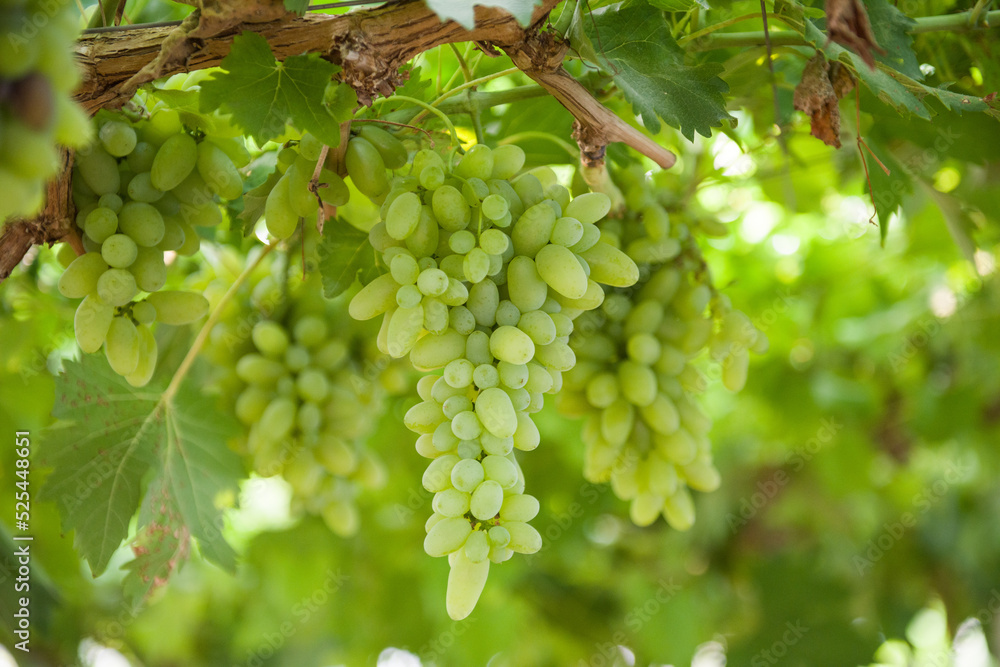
{"x": 297, "y": 6}
{"x": 648, "y": 66}
{"x": 345, "y": 255}
{"x": 161, "y": 545}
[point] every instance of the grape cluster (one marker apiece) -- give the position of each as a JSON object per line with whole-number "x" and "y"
{"x": 139, "y": 191}
{"x": 37, "y": 76}
{"x": 309, "y": 405}
{"x": 635, "y": 380}
{"x": 485, "y": 276}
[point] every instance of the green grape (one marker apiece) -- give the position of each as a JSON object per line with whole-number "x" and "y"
{"x": 277, "y": 419}
{"x": 101, "y": 223}
{"x": 533, "y": 229}
{"x": 389, "y": 147}
{"x": 476, "y": 163}
{"x": 143, "y": 312}
{"x": 589, "y": 208}
{"x": 174, "y": 307}
{"x": 98, "y": 170}
{"x": 524, "y": 539}
{"x": 116, "y": 287}
{"x": 507, "y": 161}
{"x": 91, "y": 323}
{"x": 486, "y": 500}
{"x": 142, "y": 222}
{"x": 118, "y": 138}
{"x": 374, "y": 298}
{"x": 403, "y": 216}
{"x": 332, "y": 189}
{"x": 466, "y": 581}
{"x": 111, "y": 201}
{"x": 140, "y": 188}
{"x": 141, "y": 157}
{"x": 122, "y": 346}
{"x": 270, "y": 338}
{"x": 610, "y": 266}
{"x": 301, "y": 199}
{"x": 366, "y": 167}
{"x": 255, "y": 369}
{"x": 278, "y": 215}
{"x": 404, "y": 330}
{"x": 567, "y": 232}
{"x": 218, "y": 171}
{"x": 174, "y": 161}
{"x": 450, "y": 208}
{"x": 561, "y": 271}
{"x": 119, "y": 251}
{"x": 519, "y": 507}
{"x": 146, "y": 365}
{"x": 446, "y": 536}
{"x": 148, "y": 269}
{"x": 496, "y": 412}
{"x": 81, "y": 277}
{"x": 500, "y": 470}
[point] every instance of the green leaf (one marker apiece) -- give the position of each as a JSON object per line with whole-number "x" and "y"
{"x": 345, "y": 255}
{"x": 892, "y": 32}
{"x": 648, "y": 66}
{"x": 264, "y": 95}
{"x": 463, "y": 12}
{"x": 297, "y": 6}
{"x": 108, "y": 439}
{"x": 110, "y": 435}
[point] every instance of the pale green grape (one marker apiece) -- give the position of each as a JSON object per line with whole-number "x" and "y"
{"x": 533, "y": 229}
{"x": 476, "y": 163}
{"x": 143, "y": 312}
{"x": 277, "y": 419}
{"x": 140, "y": 188}
{"x": 496, "y": 412}
{"x": 561, "y": 271}
{"x": 122, "y": 347}
{"x": 142, "y": 222}
{"x": 467, "y": 475}
{"x": 512, "y": 345}
{"x": 101, "y": 223}
{"x": 116, "y": 287}
{"x": 98, "y": 170}
{"x": 146, "y": 365}
{"x": 81, "y": 277}
{"x": 446, "y": 536}
{"x": 219, "y": 172}
{"x": 500, "y": 470}
{"x": 403, "y": 215}
{"x": 519, "y": 507}
{"x": 270, "y": 338}
{"x": 588, "y": 208}
{"x": 450, "y": 208}
{"x": 119, "y": 251}
{"x": 610, "y": 266}
{"x": 486, "y": 500}
{"x": 176, "y": 307}
{"x": 507, "y": 161}
{"x": 91, "y": 323}
{"x": 524, "y": 539}
{"x": 281, "y": 220}
{"x": 366, "y": 167}
{"x": 174, "y": 161}
{"x": 149, "y": 270}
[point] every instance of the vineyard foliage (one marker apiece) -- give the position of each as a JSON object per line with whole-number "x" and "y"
{"x": 520, "y": 332}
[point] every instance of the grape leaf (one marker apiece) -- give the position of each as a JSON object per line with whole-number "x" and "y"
{"x": 345, "y": 255}
{"x": 887, "y": 190}
{"x": 110, "y": 435}
{"x": 648, "y": 66}
{"x": 892, "y": 31}
{"x": 463, "y": 12}
{"x": 263, "y": 95}
{"x": 161, "y": 545}
{"x": 297, "y": 6}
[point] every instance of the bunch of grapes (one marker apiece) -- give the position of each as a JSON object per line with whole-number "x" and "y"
{"x": 139, "y": 191}
{"x": 635, "y": 381}
{"x": 485, "y": 276}
{"x": 307, "y": 396}
{"x": 37, "y": 76}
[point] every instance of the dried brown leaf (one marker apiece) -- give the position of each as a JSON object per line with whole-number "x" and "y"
{"x": 847, "y": 24}
{"x": 815, "y": 95}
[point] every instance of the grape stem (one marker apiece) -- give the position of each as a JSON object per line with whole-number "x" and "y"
{"x": 213, "y": 319}
{"x": 437, "y": 112}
